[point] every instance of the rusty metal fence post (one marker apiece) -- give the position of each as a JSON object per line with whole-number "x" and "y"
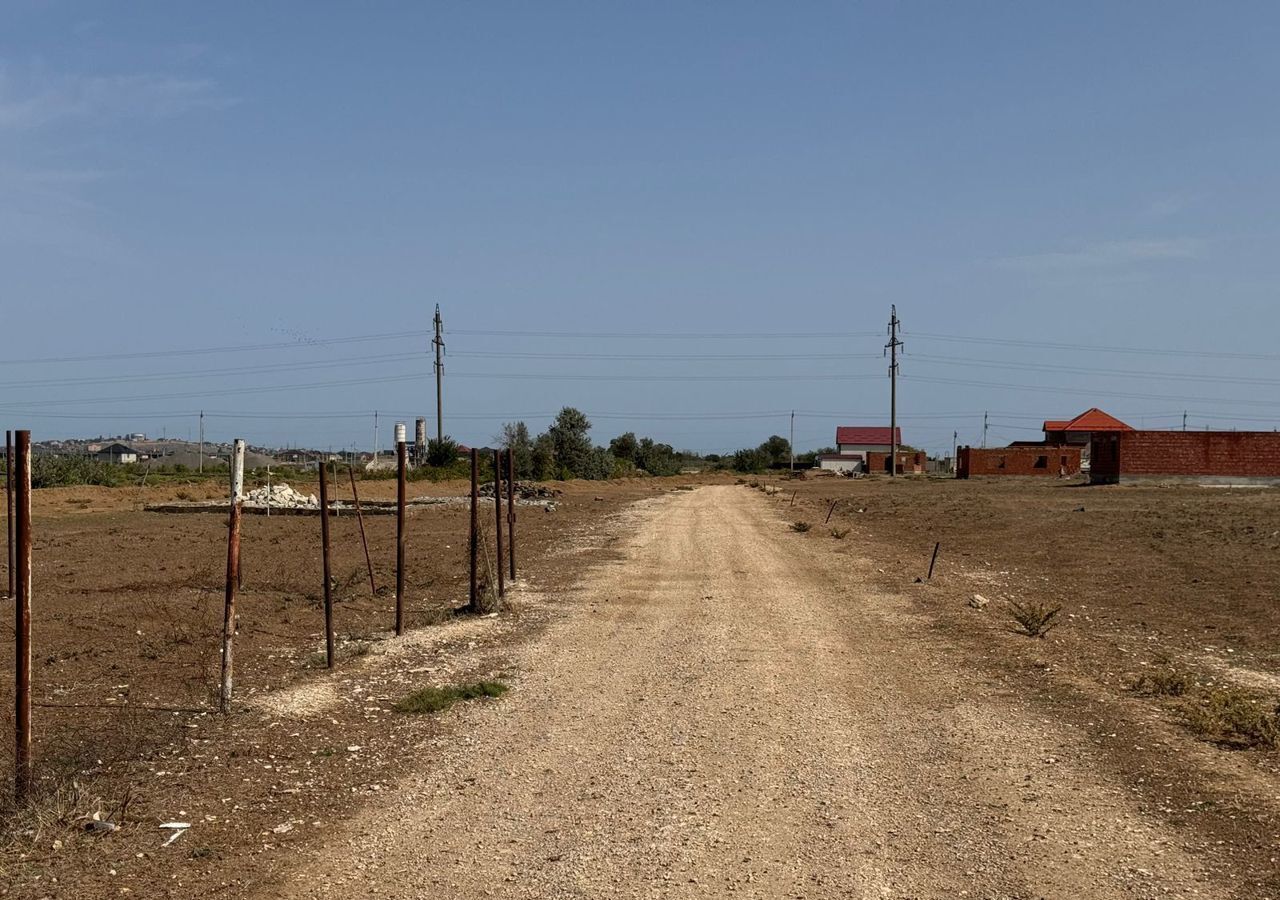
{"x": 324, "y": 554}
{"x": 11, "y": 557}
{"x": 402, "y": 464}
{"x": 511, "y": 511}
{"x": 497, "y": 522}
{"x": 368, "y": 560}
{"x": 229, "y": 602}
{"x": 22, "y": 620}
{"x": 473, "y": 542}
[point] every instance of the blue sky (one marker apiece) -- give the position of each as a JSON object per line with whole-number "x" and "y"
{"x": 181, "y": 177}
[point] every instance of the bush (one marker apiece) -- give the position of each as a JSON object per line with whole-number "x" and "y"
{"x": 839, "y": 533}
{"x": 1229, "y": 716}
{"x": 1033, "y": 619}
{"x": 1164, "y": 683}
{"x": 442, "y": 452}
{"x": 61, "y": 471}
{"x": 800, "y": 527}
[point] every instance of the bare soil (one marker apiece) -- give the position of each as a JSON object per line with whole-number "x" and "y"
{"x": 705, "y": 702}
{"x": 127, "y": 625}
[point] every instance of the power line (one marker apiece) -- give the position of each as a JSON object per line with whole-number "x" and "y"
{"x": 668, "y": 335}
{"x": 1091, "y": 348}
{"x": 503, "y": 354}
{"x": 1088, "y": 370}
{"x": 197, "y": 351}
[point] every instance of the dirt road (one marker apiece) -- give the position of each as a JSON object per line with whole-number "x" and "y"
{"x": 729, "y": 709}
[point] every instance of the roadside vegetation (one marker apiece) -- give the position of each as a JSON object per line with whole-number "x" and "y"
{"x": 438, "y": 699}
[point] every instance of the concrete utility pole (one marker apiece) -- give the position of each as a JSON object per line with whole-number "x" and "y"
{"x": 201, "y": 462}
{"x": 375, "y": 436}
{"x": 793, "y": 440}
{"x": 892, "y": 349}
{"x": 955, "y": 449}
{"x": 984, "y": 431}
{"x": 1184, "y": 420}
{"x": 438, "y": 343}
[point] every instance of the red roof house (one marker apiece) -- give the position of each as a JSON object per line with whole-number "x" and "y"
{"x": 863, "y": 436}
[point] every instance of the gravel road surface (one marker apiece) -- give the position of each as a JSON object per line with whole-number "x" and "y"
{"x": 728, "y": 708}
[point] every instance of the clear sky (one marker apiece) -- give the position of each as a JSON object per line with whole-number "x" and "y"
{"x": 182, "y": 176}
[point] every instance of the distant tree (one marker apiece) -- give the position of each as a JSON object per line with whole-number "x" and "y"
{"x": 657, "y": 459}
{"x": 442, "y": 451}
{"x": 625, "y": 446}
{"x": 776, "y": 449}
{"x": 810, "y": 458}
{"x": 515, "y": 438}
{"x": 600, "y": 465}
{"x": 543, "y": 458}
{"x": 750, "y": 460}
{"x": 571, "y": 440}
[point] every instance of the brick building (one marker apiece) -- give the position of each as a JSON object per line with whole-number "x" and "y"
{"x": 910, "y": 462}
{"x": 1200, "y": 457}
{"x": 1018, "y": 459}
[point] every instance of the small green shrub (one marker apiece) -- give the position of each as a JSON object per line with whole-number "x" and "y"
{"x": 800, "y": 527}
{"x": 433, "y": 699}
{"x": 1033, "y": 619}
{"x": 839, "y": 533}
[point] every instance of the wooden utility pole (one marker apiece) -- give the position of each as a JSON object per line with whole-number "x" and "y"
{"x": 22, "y": 619}
{"x": 438, "y": 343}
{"x": 892, "y": 349}
{"x": 233, "y": 580}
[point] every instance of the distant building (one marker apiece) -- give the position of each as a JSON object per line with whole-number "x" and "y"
{"x": 1195, "y": 457}
{"x": 1079, "y": 432}
{"x": 854, "y": 443}
{"x": 116, "y": 453}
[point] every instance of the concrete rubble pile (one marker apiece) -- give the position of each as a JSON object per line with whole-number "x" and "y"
{"x": 281, "y": 496}
{"x": 523, "y": 491}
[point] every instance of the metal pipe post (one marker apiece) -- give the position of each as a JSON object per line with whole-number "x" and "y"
{"x": 324, "y": 554}
{"x": 474, "y": 541}
{"x": 497, "y": 522}
{"x": 511, "y": 510}
{"x": 22, "y": 619}
{"x": 402, "y": 465}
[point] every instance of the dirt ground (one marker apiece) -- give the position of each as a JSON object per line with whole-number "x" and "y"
{"x": 705, "y": 702}
{"x": 127, "y": 624}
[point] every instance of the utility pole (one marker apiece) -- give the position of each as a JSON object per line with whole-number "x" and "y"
{"x": 375, "y": 437}
{"x": 793, "y": 440}
{"x": 955, "y": 449}
{"x": 438, "y": 343}
{"x": 984, "y": 431}
{"x": 201, "y": 463}
{"x": 1184, "y": 420}
{"x": 892, "y": 349}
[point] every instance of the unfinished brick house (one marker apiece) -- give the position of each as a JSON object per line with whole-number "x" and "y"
{"x": 1018, "y": 459}
{"x": 1199, "y": 457}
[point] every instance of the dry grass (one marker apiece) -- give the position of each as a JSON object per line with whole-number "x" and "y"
{"x": 1232, "y": 717}
{"x": 840, "y": 533}
{"x": 433, "y": 699}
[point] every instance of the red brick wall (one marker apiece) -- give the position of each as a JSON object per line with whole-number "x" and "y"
{"x": 973, "y": 461}
{"x": 1247, "y": 454}
{"x": 908, "y": 463}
